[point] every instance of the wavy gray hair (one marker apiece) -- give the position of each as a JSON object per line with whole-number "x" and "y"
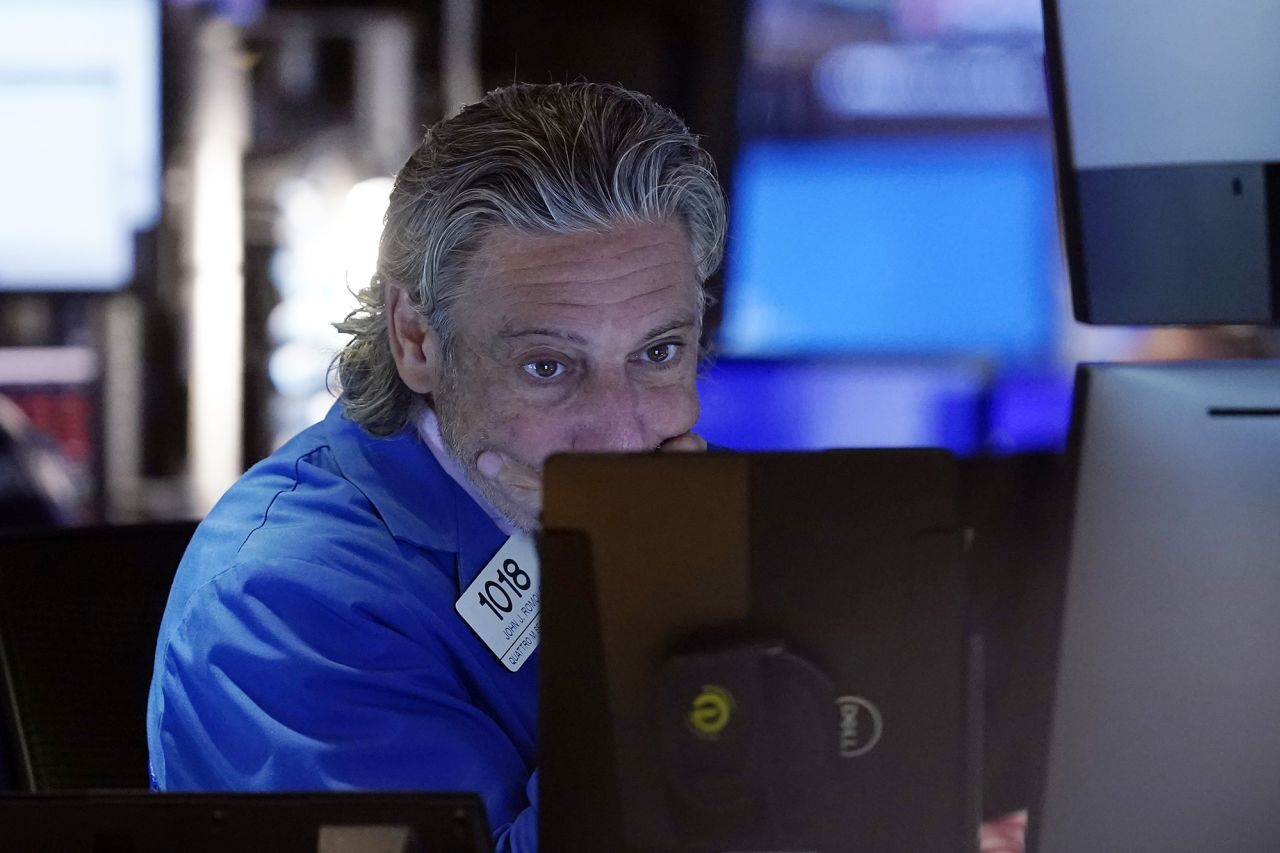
{"x": 557, "y": 158}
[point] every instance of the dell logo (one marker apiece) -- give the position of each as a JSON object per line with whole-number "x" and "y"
{"x": 860, "y": 726}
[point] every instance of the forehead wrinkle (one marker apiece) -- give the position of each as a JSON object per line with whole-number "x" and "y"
{"x": 501, "y": 280}
{"x": 581, "y": 267}
{"x": 605, "y": 303}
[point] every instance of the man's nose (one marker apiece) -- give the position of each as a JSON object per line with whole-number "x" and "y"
{"x": 612, "y": 418}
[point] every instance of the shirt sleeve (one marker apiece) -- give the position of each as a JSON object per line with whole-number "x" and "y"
{"x": 521, "y": 835}
{"x": 293, "y": 676}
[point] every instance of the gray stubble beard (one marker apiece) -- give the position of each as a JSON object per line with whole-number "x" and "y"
{"x": 465, "y": 446}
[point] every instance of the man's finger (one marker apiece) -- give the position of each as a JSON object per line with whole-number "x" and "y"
{"x": 513, "y": 476}
{"x": 502, "y": 468}
{"x": 687, "y": 443}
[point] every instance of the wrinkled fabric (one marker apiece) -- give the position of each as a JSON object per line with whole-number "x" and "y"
{"x": 310, "y": 641}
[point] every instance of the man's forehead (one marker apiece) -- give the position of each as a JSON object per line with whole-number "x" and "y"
{"x": 660, "y": 250}
{"x": 633, "y": 275}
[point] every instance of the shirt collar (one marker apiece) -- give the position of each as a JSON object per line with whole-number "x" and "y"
{"x": 418, "y": 500}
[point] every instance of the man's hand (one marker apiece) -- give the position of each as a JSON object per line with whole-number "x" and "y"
{"x": 524, "y": 484}
{"x": 687, "y": 443}
{"x": 514, "y": 480}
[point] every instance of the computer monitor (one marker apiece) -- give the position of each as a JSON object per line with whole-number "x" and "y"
{"x": 80, "y": 96}
{"x": 891, "y": 192}
{"x": 143, "y": 822}
{"x": 1168, "y": 147}
{"x": 79, "y": 613}
{"x": 873, "y": 244}
{"x": 756, "y": 652}
{"x": 1163, "y": 735}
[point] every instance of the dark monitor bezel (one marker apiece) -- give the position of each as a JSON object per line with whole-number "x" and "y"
{"x": 151, "y": 822}
{"x": 1064, "y": 161}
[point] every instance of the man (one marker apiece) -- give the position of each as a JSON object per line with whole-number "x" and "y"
{"x": 539, "y": 289}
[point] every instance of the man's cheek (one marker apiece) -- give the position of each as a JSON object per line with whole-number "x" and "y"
{"x": 673, "y": 411}
{"x": 532, "y": 436}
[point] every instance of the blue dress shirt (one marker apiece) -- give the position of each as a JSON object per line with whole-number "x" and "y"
{"x": 310, "y": 641}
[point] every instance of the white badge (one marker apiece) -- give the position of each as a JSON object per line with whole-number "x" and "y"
{"x": 502, "y": 603}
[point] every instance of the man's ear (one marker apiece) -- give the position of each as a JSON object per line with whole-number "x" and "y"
{"x": 414, "y": 343}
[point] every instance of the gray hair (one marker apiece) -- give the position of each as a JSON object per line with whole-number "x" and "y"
{"x": 557, "y": 158}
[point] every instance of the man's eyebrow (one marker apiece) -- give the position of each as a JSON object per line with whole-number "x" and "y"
{"x": 540, "y": 332}
{"x": 680, "y": 323}
{"x": 535, "y": 332}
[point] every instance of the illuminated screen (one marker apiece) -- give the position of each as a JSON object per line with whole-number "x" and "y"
{"x": 80, "y": 151}
{"x": 817, "y": 405}
{"x": 1149, "y": 83}
{"x": 902, "y": 245}
{"x": 892, "y": 212}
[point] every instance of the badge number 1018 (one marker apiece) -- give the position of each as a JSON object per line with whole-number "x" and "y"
{"x": 507, "y": 592}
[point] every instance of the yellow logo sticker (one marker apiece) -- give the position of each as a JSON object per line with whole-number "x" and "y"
{"x": 710, "y": 712}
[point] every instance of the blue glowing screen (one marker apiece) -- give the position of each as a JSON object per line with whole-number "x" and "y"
{"x": 755, "y": 404}
{"x": 894, "y": 244}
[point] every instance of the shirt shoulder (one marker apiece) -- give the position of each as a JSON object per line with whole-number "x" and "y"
{"x": 298, "y": 504}
{"x": 318, "y": 503}
{"x": 316, "y": 603}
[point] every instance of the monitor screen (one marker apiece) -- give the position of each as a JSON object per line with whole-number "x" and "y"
{"x": 1154, "y": 83}
{"x": 817, "y": 404}
{"x": 893, "y": 189}
{"x": 894, "y": 244}
{"x": 1169, "y": 158}
{"x": 80, "y": 155}
{"x": 892, "y": 221}
{"x": 1028, "y": 412}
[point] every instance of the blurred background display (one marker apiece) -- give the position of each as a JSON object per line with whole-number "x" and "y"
{"x": 784, "y": 404}
{"x": 893, "y": 215}
{"x": 893, "y": 190}
{"x": 894, "y": 244}
{"x": 49, "y": 436}
{"x": 192, "y": 190}
{"x": 80, "y": 96}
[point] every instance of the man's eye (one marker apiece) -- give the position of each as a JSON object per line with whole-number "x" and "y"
{"x": 661, "y": 352}
{"x": 544, "y": 368}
